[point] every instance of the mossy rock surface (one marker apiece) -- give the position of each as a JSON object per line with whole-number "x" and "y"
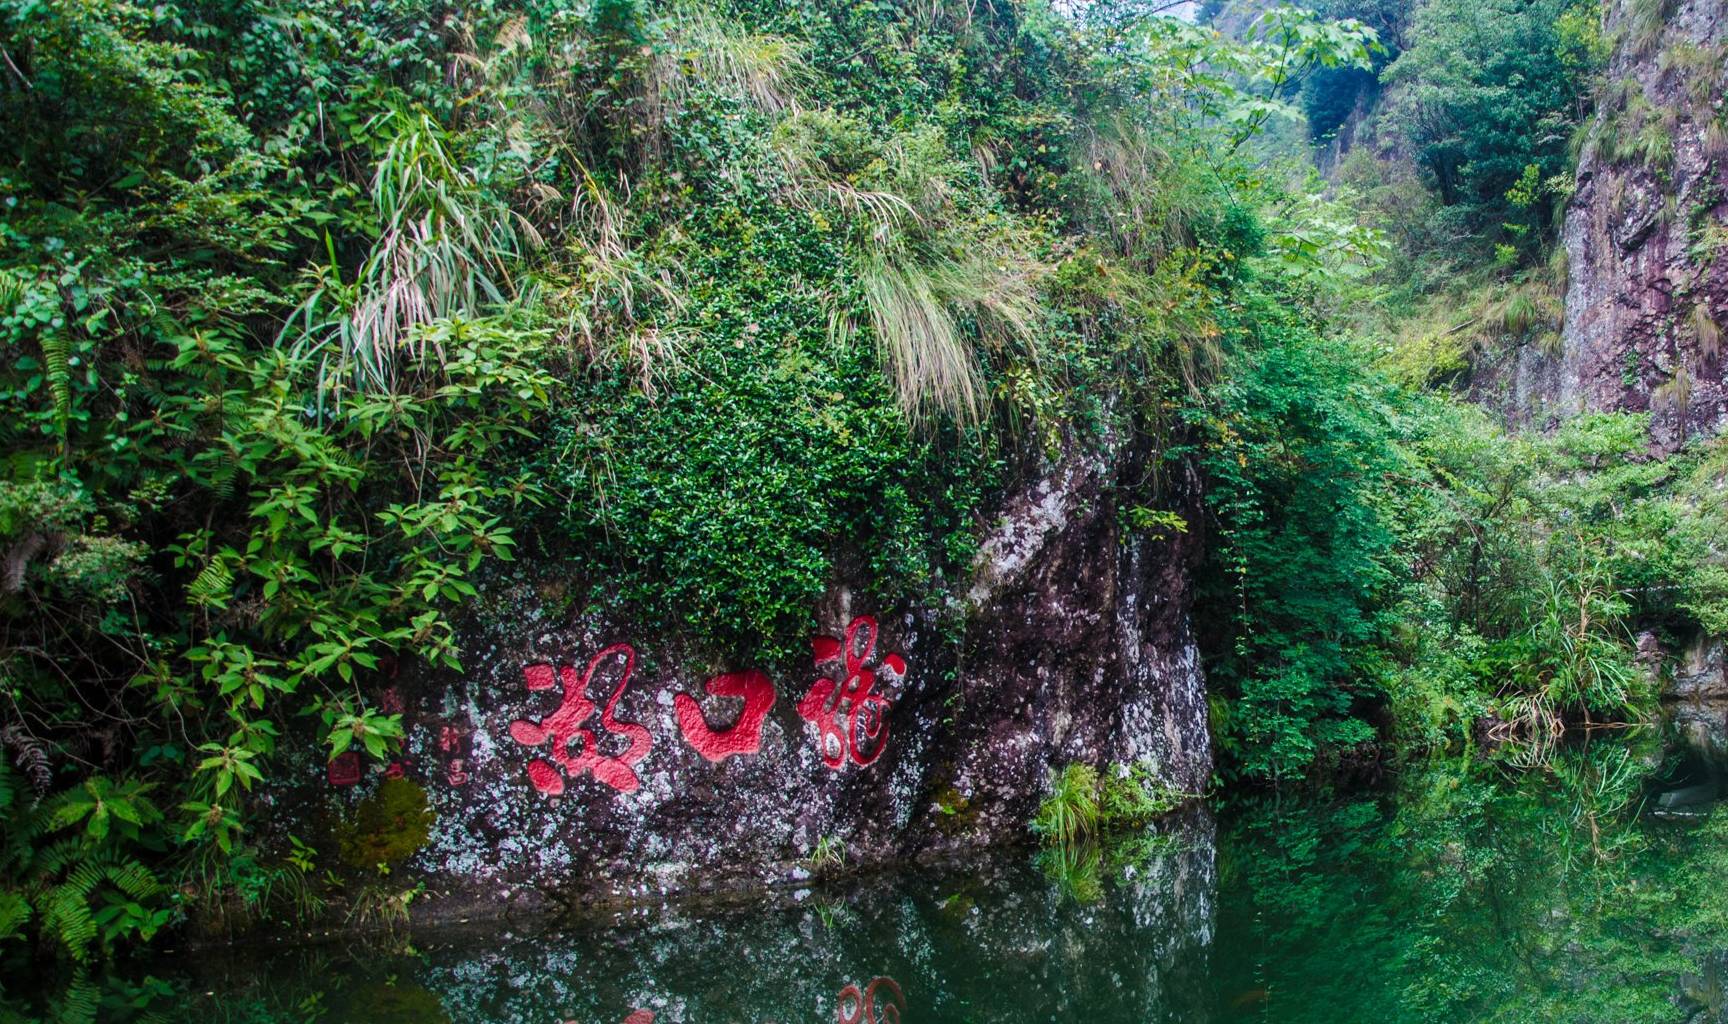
{"x": 955, "y": 814}
{"x": 387, "y": 827}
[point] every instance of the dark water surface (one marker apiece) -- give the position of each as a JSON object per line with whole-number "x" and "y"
{"x": 1559, "y": 893}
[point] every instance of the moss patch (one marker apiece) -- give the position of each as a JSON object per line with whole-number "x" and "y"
{"x": 387, "y": 828}
{"x": 399, "y": 1003}
{"x": 955, "y": 814}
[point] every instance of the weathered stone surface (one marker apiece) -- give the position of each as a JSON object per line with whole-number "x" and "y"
{"x": 1647, "y": 288}
{"x": 1700, "y": 673}
{"x": 1076, "y": 647}
{"x": 1522, "y": 385}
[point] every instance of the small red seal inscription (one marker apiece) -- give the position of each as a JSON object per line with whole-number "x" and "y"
{"x": 344, "y": 769}
{"x": 453, "y": 749}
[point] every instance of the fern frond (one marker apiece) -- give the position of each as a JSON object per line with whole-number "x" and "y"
{"x": 84, "y": 879}
{"x": 212, "y": 586}
{"x": 133, "y": 879}
{"x": 79, "y": 1003}
{"x": 56, "y": 857}
{"x": 66, "y": 915}
{"x": 57, "y": 367}
{"x": 14, "y": 913}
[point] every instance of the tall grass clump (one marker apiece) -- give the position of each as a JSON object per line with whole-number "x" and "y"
{"x": 1706, "y": 331}
{"x": 710, "y": 51}
{"x": 1645, "y": 22}
{"x": 928, "y": 316}
{"x": 938, "y": 289}
{"x": 607, "y": 286}
{"x": 1069, "y": 814}
{"x": 1084, "y": 803}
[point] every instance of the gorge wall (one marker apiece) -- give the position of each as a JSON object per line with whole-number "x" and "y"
{"x": 1647, "y": 292}
{"x": 1646, "y": 288}
{"x": 578, "y": 757}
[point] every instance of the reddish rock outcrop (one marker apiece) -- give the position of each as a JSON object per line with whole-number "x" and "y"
{"x": 1647, "y": 295}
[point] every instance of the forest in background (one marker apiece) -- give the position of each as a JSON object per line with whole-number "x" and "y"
{"x": 315, "y": 315}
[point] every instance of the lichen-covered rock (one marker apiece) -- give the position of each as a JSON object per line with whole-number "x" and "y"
{"x": 580, "y": 759}
{"x": 1647, "y": 295}
{"x": 1703, "y": 725}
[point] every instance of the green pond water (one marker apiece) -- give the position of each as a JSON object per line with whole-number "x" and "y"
{"x": 1479, "y": 891}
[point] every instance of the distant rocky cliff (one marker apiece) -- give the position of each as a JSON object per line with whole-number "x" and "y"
{"x": 580, "y": 757}
{"x": 1647, "y": 230}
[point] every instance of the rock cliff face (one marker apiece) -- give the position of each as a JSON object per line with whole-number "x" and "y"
{"x": 1647, "y": 295}
{"x": 578, "y": 757}
{"x": 1698, "y": 692}
{"x": 1646, "y": 234}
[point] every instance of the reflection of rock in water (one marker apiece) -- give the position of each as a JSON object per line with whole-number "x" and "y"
{"x": 1701, "y": 673}
{"x": 1692, "y": 787}
{"x": 1698, "y": 691}
{"x": 999, "y": 942}
{"x": 1703, "y": 725}
{"x": 1705, "y": 995}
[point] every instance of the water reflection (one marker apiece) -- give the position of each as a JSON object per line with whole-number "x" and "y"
{"x": 862, "y": 1008}
{"x": 1551, "y": 895}
{"x": 1472, "y": 892}
{"x": 1000, "y": 941}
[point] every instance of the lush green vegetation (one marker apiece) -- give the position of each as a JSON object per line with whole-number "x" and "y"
{"x": 1400, "y": 573}
{"x": 315, "y": 318}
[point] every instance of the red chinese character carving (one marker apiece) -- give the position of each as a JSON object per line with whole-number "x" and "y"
{"x": 545, "y": 777}
{"x": 743, "y": 738}
{"x": 539, "y": 677}
{"x": 395, "y": 769}
{"x": 390, "y": 701}
{"x": 855, "y": 1007}
{"x": 344, "y": 769}
{"x": 565, "y": 725}
{"x": 850, "y": 717}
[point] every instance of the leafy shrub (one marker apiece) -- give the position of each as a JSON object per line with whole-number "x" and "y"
{"x": 1297, "y": 592}
{"x": 1483, "y": 92}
